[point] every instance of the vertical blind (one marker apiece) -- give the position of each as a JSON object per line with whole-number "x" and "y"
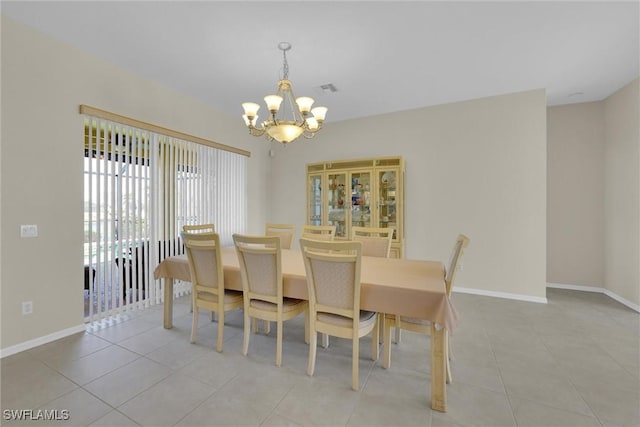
{"x": 141, "y": 187}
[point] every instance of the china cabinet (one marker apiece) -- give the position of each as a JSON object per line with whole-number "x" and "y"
{"x": 362, "y": 193}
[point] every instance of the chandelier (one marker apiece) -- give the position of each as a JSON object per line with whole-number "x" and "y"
{"x": 293, "y": 119}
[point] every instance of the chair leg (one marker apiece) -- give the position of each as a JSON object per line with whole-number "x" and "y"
{"x": 267, "y": 327}
{"x": 194, "y": 323}
{"x": 375, "y": 339}
{"x": 355, "y": 356}
{"x": 313, "y": 343}
{"x": 220, "y": 330}
{"x": 447, "y": 359}
{"x": 386, "y": 360}
{"x": 306, "y": 327}
{"x": 248, "y": 321}
{"x": 278, "y": 343}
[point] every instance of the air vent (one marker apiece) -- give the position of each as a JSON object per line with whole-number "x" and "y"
{"x": 328, "y": 88}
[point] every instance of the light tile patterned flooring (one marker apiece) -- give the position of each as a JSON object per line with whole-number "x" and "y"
{"x": 572, "y": 362}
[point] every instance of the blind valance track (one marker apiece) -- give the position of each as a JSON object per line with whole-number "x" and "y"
{"x": 107, "y": 115}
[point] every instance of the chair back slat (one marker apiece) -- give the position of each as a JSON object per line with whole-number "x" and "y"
{"x": 376, "y": 242}
{"x": 333, "y": 282}
{"x": 319, "y": 232}
{"x": 286, "y": 233}
{"x": 199, "y": 228}
{"x": 205, "y": 267}
{"x": 262, "y": 275}
{"x": 260, "y": 265}
{"x": 203, "y": 253}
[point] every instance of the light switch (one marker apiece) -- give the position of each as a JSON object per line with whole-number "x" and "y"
{"x": 28, "y": 231}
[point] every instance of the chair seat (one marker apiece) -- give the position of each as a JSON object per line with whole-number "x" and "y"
{"x": 229, "y": 296}
{"x": 288, "y": 304}
{"x": 367, "y": 318}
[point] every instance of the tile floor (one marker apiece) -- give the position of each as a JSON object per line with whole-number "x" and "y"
{"x": 572, "y": 362}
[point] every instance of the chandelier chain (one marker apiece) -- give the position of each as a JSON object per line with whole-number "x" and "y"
{"x": 285, "y": 65}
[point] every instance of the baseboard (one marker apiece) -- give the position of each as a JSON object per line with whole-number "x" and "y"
{"x": 607, "y": 292}
{"x": 41, "y": 340}
{"x": 505, "y": 295}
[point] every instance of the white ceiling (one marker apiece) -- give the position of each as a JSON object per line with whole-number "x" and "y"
{"x": 381, "y": 56}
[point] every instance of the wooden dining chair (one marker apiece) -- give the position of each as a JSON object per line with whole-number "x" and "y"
{"x": 420, "y": 325}
{"x": 286, "y": 232}
{"x": 199, "y": 228}
{"x": 376, "y": 242}
{"x": 333, "y": 284}
{"x": 318, "y": 232}
{"x": 260, "y": 261}
{"x": 207, "y": 280}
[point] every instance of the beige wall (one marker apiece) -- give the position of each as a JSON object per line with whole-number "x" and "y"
{"x": 476, "y": 167}
{"x": 575, "y": 194}
{"x": 43, "y": 83}
{"x": 594, "y": 195}
{"x": 622, "y": 193}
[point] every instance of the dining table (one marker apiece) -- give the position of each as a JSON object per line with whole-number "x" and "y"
{"x": 406, "y": 287}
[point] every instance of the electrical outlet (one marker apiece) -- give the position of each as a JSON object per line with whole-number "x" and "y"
{"x": 28, "y": 231}
{"x": 460, "y": 266}
{"x": 27, "y": 307}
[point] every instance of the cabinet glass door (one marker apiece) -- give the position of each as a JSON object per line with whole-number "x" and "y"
{"x": 337, "y": 202}
{"x": 315, "y": 200}
{"x": 361, "y": 199}
{"x": 387, "y": 188}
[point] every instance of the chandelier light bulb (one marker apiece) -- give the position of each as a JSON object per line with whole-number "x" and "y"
{"x": 273, "y": 102}
{"x": 312, "y": 123}
{"x": 250, "y": 109}
{"x": 319, "y": 113}
{"x": 304, "y": 104}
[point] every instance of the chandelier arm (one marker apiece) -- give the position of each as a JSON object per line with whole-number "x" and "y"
{"x": 253, "y": 131}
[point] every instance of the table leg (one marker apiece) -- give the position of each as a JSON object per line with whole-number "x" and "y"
{"x": 168, "y": 303}
{"x": 438, "y": 368}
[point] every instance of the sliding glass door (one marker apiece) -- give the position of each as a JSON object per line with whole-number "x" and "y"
{"x": 140, "y": 188}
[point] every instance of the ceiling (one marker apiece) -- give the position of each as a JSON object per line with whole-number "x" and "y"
{"x": 381, "y": 56}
